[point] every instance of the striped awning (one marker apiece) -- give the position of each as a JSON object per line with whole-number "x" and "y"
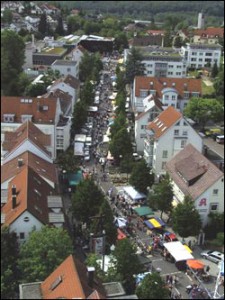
{"x": 154, "y": 223}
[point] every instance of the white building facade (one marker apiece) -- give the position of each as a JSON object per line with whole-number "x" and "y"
{"x": 201, "y": 55}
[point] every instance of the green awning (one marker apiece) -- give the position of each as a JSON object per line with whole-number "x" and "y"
{"x": 144, "y": 211}
{"x": 75, "y": 178}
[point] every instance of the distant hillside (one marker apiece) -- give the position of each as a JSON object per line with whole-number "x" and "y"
{"x": 140, "y": 8}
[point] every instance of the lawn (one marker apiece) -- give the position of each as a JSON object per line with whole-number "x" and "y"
{"x": 207, "y": 90}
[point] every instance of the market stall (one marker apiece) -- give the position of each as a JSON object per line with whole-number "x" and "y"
{"x": 120, "y": 234}
{"x": 144, "y": 211}
{"x": 179, "y": 253}
{"x": 133, "y": 194}
{"x": 154, "y": 223}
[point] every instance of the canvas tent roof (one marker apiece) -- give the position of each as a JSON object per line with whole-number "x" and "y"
{"x": 78, "y": 149}
{"x": 144, "y": 211}
{"x": 178, "y": 251}
{"x": 133, "y": 194}
{"x": 154, "y": 223}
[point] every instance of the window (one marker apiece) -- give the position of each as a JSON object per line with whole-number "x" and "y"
{"x": 22, "y": 235}
{"x": 183, "y": 143}
{"x": 214, "y": 206}
{"x": 25, "y": 118}
{"x": 166, "y": 97}
{"x": 215, "y": 192}
{"x": 9, "y": 118}
{"x": 143, "y": 126}
{"x": 178, "y": 73}
{"x": 208, "y": 54}
{"x": 165, "y": 154}
{"x": 193, "y": 59}
{"x": 176, "y": 132}
{"x": 186, "y": 95}
{"x": 193, "y": 53}
{"x": 200, "y": 59}
{"x": 173, "y": 97}
{"x": 149, "y": 72}
{"x": 195, "y": 94}
{"x": 143, "y": 93}
{"x": 26, "y": 219}
{"x": 163, "y": 165}
{"x": 68, "y": 69}
{"x": 152, "y": 92}
{"x": 185, "y": 132}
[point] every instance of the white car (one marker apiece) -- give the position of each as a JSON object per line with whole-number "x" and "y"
{"x": 87, "y": 158}
{"x": 214, "y": 256}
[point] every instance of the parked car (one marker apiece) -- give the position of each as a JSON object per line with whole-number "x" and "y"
{"x": 87, "y": 158}
{"x": 214, "y": 256}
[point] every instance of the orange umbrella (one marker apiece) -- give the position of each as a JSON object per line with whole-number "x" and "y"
{"x": 195, "y": 264}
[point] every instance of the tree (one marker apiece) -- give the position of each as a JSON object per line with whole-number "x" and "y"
{"x": 215, "y": 70}
{"x": 12, "y": 60}
{"x": 219, "y": 84}
{"x": 59, "y": 28}
{"x": 168, "y": 39}
{"x": 79, "y": 117}
{"x": 9, "y": 264}
{"x": 120, "y": 144}
{"x": 140, "y": 177}
{"x": 152, "y": 287}
{"x": 7, "y": 16}
{"x": 186, "y": 219}
{"x": 67, "y": 161}
{"x": 127, "y": 164}
{"x": 202, "y": 110}
{"x": 121, "y": 41}
{"x": 216, "y": 223}
{"x": 87, "y": 93}
{"x": 43, "y": 25}
{"x": 162, "y": 196}
{"x": 134, "y": 65}
{"x": 178, "y": 42}
{"x": 118, "y": 124}
{"x": 43, "y": 252}
{"x": 34, "y": 90}
{"x": 86, "y": 200}
{"x": 127, "y": 264}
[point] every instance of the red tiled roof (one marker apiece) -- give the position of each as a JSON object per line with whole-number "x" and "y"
{"x": 72, "y": 81}
{"x": 164, "y": 121}
{"x": 64, "y": 98}
{"x": 37, "y": 164}
{"x": 32, "y": 192}
{"x": 181, "y": 85}
{"x": 189, "y": 165}
{"x": 72, "y": 278}
{"x": 27, "y": 131}
{"x": 210, "y": 32}
{"x": 13, "y": 105}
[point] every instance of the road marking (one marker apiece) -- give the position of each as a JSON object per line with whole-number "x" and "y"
{"x": 189, "y": 277}
{"x": 157, "y": 259}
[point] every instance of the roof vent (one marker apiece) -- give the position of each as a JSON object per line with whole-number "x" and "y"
{"x": 151, "y": 83}
{"x": 13, "y": 190}
{"x": 164, "y": 83}
{"x": 173, "y": 84}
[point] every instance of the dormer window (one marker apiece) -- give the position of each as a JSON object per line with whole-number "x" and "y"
{"x": 25, "y": 118}
{"x": 9, "y": 118}
{"x": 186, "y": 95}
{"x": 195, "y": 94}
{"x": 143, "y": 93}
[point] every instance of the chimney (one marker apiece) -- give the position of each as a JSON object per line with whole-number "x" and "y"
{"x": 91, "y": 272}
{"x": 19, "y": 162}
{"x": 13, "y": 190}
{"x": 13, "y": 201}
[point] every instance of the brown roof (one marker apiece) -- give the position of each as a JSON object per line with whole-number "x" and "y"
{"x": 64, "y": 98}
{"x": 210, "y": 32}
{"x": 181, "y": 85}
{"x": 27, "y": 131}
{"x": 13, "y": 105}
{"x": 72, "y": 282}
{"x": 164, "y": 121}
{"x": 32, "y": 192}
{"x": 192, "y": 172}
{"x": 37, "y": 164}
{"x": 148, "y": 40}
{"x": 72, "y": 81}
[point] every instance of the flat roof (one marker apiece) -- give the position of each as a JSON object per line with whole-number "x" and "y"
{"x": 52, "y": 50}
{"x": 63, "y": 62}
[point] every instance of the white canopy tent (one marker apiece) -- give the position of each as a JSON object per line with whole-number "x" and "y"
{"x": 178, "y": 251}
{"x": 78, "y": 149}
{"x": 133, "y": 194}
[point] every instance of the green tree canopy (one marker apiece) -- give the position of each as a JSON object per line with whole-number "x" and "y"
{"x": 120, "y": 144}
{"x": 201, "y": 110}
{"x": 215, "y": 70}
{"x": 87, "y": 93}
{"x": 134, "y": 65}
{"x": 43, "y": 252}
{"x": 59, "y": 28}
{"x": 9, "y": 264}
{"x": 161, "y": 196}
{"x": 219, "y": 84}
{"x": 12, "y": 60}
{"x": 127, "y": 263}
{"x": 67, "y": 161}
{"x": 178, "y": 43}
{"x": 86, "y": 200}
{"x": 152, "y": 287}
{"x": 186, "y": 219}
{"x": 119, "y": 123}
{"x": 140, "y": 177}
{"x": 43, "y": 25}
{"x": 7, "y": 16}
{"x": 79, "y": 117}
